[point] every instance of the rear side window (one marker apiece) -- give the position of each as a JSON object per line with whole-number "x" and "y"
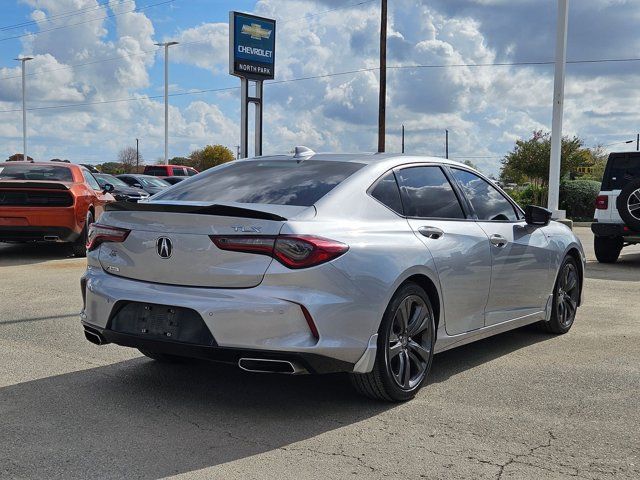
{"x": 426, "y": 193}
{"x": 386, "y": 192}
{"x": 93, "y": 183}
{"x": 279, "y": 182}
{"x": 179, "y": 172}
{"x": 621, "y": 170}
{"x": 486, "y": 200}
{"x": 36, "y": 172}
{"x": 157, "y": 171}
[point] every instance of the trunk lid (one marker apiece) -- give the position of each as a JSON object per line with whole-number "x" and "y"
{"x": 169, "y": 243}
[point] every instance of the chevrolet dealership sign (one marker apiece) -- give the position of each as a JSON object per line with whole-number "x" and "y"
{"x": 252, "y": 46}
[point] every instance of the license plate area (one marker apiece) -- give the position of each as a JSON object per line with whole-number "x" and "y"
{"x": 161, "y": 322}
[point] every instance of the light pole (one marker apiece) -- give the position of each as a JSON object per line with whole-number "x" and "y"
{"x": 166, "y": 46}
{"x": 382, "y": 100}
{"x": 22, "y": 60}
{"x": 558, "y": 107}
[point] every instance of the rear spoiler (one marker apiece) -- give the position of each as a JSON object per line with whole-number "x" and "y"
{"x": 218, "y": 210}
{"x": 19, "y": 184}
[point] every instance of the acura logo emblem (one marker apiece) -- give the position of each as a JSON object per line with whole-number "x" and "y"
{"x": 164, "y": 247}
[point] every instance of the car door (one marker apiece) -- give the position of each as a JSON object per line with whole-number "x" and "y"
{"x": 520, "y": 254}
{"x": 459, "y": 247}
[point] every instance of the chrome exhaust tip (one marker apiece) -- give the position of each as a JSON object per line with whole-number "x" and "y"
{"x": 94, "y": 337}
{"x": 267, "y": 365}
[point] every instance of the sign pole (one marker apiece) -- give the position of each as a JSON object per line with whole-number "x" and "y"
{"x": 558, "y": 106}
{"x": 258, "y": 125}
{"x": 244, "y": 118}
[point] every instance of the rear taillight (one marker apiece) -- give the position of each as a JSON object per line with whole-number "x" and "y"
{"x": 602, "y": 202}
{"x": 99, "y": 234}
{"x": 293, "y": 251}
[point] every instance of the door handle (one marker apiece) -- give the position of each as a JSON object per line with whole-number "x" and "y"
{"x": 498, "y": 241}
{"x": 433, "y": 233}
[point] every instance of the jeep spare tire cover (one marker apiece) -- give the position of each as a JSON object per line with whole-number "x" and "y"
{"x": 628, "y": 204}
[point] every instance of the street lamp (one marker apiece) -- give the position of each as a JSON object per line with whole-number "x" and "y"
{"x": 166, "y": 46}
{"x": 23, "y": 60}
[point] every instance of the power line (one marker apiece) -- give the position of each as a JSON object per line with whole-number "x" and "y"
{"x": 316, "y": 77}
{"x": 67, "y": 14}
{"x": 111, "y": 15}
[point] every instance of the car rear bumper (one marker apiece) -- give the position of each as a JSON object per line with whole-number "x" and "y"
{"x": 613, "y": 230}
{"x": 266, "y": 322}
{"x": 36, "y": 223}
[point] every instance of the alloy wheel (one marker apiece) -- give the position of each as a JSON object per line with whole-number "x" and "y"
{"x": 410, "y": 342}
{"x": 633, "y": 204}
{"x": 567, "y": 296}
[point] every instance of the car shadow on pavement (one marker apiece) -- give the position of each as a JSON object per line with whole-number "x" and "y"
{"x": 15, "y": 254}
{"x": 142, "y": 419}
{"x": 460, "y": 359}
{"x": 626, "y": 269}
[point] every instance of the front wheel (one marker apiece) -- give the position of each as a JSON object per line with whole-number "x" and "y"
{"x": 405, "y": 348}
{"x": 566, "y": 295}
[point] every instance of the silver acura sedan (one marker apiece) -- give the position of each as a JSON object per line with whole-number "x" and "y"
{"x": 317, "y": 263}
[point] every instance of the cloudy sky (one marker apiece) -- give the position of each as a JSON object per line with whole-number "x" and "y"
{"x": 96, "y": 82}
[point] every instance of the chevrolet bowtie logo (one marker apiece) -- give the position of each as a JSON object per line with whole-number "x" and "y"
{"x": 256, "y": 31}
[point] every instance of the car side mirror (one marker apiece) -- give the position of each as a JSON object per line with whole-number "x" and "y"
{"x": 538, "y": 216}
{"x": 137, "y": 185}
{"x": 108, "y": 188}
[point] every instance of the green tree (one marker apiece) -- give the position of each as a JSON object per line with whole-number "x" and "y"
{"x": 210, "y": 156}
{"x": 469, "y": 163}
{"x": 529, "y": 161}
{"x": 112, "y": 168}
{"x": 17, "y": 157}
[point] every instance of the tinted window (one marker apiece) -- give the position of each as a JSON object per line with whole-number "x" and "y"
{"x": 280, "y": 182}
{"x": 485, "y": 199}
{"x": 386, "y": 191}
{"x": 152, "y": 182}
{"x": 427, "y": 193}
{"x": 160, "y": 171}
{"x": 191, "y": 172}
{"x": 179, "y": 172}
{"x": 35, "y": 172}
{"x": 93, "y": 183}
{"x": 104, "y": 179}
{"x": 622, "y": 170}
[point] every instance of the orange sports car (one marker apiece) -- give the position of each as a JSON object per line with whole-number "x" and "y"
{"x": 50, "y": 202}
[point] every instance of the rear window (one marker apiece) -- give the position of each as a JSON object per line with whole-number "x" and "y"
{"x": 35, "y": 172}
{"x": 621, "y": 170}
{"x": 272, "y": 182}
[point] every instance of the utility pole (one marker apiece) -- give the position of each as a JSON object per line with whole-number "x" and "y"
{"x": 166, "y": 46}
{"x": 237, "y": 152}
{"x": 558, "y": 107}
{"x": 402, "y": 138}
{"x": 137, "y": 157}
{"x": 446, "y": 144}
{"x": 23, "y": 60}
{"x": 382, "y": 101}
{"x": 638, "y": 143}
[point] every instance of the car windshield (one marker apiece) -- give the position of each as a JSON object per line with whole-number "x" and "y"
{"x": 152, "y": 182}
{"x": 264, "y": 181}
{"x": 104, "y": 179}
{"x": 35, "y": 172}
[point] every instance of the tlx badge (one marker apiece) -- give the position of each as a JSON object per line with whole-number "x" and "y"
{"x": 249, "y": 229}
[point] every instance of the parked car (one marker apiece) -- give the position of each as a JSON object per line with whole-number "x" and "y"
{"x": 121, "y": 191}
{"x": 617, "y": 217}
{"x": 90, "y": 167}
{"x": 51, "y": 202}
{"x": 366, "y": 264}
{"x": 170, "y": 171}
{"x": 148, "y": 183}
{"x": 173, "y": 180}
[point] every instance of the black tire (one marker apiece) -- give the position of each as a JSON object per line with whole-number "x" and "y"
{"x": 398, "y": 347}
{"x": 79, "y": 246}
{"x": 628, "y": 204}
{"x": 607, "y": 248}
{"x": 162, "y": 357}
{"x": 566, "y": 294}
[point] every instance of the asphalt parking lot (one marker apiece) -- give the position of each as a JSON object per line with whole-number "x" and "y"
{"x": 519, "y": 405}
